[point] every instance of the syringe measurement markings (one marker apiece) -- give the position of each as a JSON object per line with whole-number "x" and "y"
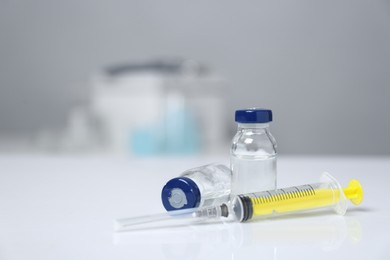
{"x": 310, "y": 190}
{"x": 298, "y": 191}
{"x": 270, "y": 196}
{"x": 260, "y": 200}
{"x": 305, "y": 192}
{"x": 283, "y": 194}
{"x": 314, "y": 191}
{"x": 293, "y": 194}
{"x": 275, "y": 197}
{"x": 288, "y": 195}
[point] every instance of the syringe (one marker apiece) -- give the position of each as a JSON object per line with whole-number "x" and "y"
{"x": 325, "y": 194}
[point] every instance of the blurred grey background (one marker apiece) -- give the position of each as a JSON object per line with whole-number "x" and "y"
{"x": 322, "y": 66}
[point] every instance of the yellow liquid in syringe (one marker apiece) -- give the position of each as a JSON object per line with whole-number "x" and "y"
{"x": 286, "y": 201}
{"x": 299, "y": 198}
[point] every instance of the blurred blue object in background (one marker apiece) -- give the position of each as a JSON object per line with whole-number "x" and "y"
{"x": 177, "y": 133}
{"x": 163, "y": 107}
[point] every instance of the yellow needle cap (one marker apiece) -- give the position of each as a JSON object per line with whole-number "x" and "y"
{"x": 354, "y": 192}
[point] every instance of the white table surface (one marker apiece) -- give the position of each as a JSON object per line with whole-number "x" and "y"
{"x": 64, "y": 208}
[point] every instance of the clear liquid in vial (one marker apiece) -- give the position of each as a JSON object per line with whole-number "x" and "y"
{"x": 253, "y": 174}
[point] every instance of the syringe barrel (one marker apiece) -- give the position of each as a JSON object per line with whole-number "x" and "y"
{"x": 326, "y": 194}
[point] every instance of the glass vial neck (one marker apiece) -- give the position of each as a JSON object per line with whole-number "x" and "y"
{"x": 251, "y": 126}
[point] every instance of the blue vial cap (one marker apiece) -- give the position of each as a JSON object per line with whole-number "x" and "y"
{"x": 253, "y": 115}
{"x": 180, "y": 193}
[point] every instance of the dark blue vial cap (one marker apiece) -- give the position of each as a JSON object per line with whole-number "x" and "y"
{"x": 180, "y": 193}
{"x": 253, "y": 115}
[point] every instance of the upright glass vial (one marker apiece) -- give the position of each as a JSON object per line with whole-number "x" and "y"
{"x": 253, "y": 152}
{"x": 207, "y": 185}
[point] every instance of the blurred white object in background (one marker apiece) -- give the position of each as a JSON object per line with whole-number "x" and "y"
{"x": 156, "y": 108}
{"x": 123, "y": 103}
